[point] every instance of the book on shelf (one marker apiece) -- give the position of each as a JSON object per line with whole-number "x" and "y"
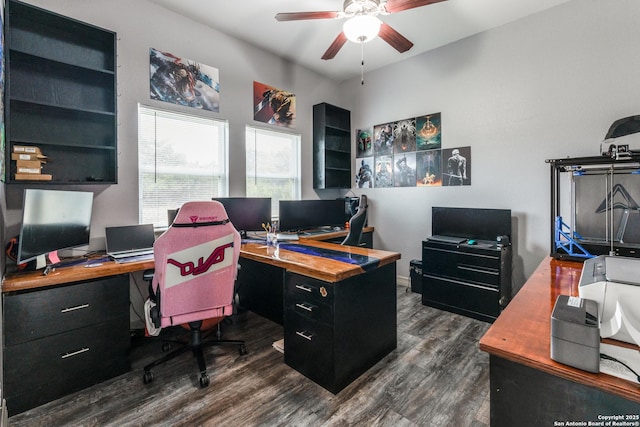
{"x": 33, "y": 177}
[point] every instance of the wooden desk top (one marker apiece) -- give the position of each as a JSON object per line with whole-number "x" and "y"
{"x": 522, "y": 332}
{"x": 318, "y": 267}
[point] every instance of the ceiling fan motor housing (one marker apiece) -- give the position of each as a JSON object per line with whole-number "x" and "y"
{"x": 361, "y": 7}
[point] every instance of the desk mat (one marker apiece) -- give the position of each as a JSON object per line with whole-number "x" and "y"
{"x": 367, "y": 263}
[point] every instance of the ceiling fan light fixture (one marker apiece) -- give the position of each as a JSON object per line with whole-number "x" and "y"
{"x": 361, "y": 28}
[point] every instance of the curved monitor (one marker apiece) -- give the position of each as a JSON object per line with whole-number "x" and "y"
{"x": 53, "y": 220}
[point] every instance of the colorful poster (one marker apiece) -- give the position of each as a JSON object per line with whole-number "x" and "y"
{"x": 364, "y": 142}
{"x": 429, "y": 168}
{"x": 428, "y": 132}
{"x": 273, "y": 106}
{"x": 183, "y": 82}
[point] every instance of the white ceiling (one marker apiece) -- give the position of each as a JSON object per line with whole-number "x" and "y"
{"x": 304, "y": 42}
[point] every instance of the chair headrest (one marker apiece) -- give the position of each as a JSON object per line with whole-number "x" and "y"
{"x": 201, "y": 213}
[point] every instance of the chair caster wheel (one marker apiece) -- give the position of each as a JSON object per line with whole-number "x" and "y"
{"x": 166, "y": 347}
{"x": 243, "y": 351}
{"x": 204, "y": 380}
{"x": 147, "y": 377}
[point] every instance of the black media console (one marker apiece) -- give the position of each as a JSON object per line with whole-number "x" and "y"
{"x": 466, "y": 263}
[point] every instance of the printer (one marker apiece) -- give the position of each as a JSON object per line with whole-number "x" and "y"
{"x": 613, "y": 282}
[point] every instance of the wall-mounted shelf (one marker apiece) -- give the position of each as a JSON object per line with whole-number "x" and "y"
{"x": 331, "y": 147}
{"x": 61, "y": 95}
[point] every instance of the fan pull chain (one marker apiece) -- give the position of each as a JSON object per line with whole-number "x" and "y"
{"x": 362, "y": 63}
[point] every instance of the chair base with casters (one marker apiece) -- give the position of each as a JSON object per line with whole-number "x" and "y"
{"x": 197, "y": 343}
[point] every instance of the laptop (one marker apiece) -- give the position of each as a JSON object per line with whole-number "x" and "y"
{"x": 130, "y": 242}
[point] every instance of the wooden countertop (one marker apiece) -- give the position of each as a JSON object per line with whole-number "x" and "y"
{"x": 318, "y": 267}
{"x": 522, "y": 332}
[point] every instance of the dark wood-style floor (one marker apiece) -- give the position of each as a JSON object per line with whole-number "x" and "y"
{"x": 436, "y": 377}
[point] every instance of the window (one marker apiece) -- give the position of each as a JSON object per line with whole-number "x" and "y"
{"x": 181, "y": 157}
{"x": 273, "y": 165}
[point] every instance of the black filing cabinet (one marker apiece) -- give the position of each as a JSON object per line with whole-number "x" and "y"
{"x": 472, "y": 280}
{"x": 64, "y": 338}
{"x": 333, "y": 332}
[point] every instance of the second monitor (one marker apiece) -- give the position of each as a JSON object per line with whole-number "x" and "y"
{"x": 247, "y": 213}
{"x": 296, "y": 215}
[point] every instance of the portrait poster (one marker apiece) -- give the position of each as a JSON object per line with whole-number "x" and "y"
{"x": 404, "y": 172}
{"x": 457, "y": 166}
{"x": 273, "y": 106}
{"x": 404, "y": 136}
{"x": 364, "y": 142}
{"x": 429, "y": 168}
{"x": 383, "y": 139}
{"x": 364, "y": 175}
{"x": 184, "y": 82}
{"x": 383, "y": 171}
{"x": 429, "y": 132}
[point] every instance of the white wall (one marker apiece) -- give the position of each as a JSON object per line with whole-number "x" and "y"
{"x": 548, "y": 86}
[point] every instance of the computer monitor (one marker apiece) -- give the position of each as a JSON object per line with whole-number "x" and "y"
{"x": 53, "y": 220}
{"x": 296, "y": 215}
{"x": 247, "y": 213}
{"x": 471, "y": 223}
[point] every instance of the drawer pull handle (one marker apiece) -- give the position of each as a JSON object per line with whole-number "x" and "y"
{"x": 304, "y": 288}
{"x": 479, "y": 270}
{"x": 307, "y": 307}
{"x": 305, "y": 335}
{"x": 75, "y": 353}
{"x": 77, "y": 307}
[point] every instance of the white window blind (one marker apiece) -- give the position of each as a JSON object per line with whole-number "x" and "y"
{"x": 181, "y": 157}
{"x": 273, "y": 165}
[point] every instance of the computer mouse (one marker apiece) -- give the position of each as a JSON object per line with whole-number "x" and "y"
{"x": 471, "y": 242}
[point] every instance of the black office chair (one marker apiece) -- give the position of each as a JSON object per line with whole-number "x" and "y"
{"x": 356, "y": 224}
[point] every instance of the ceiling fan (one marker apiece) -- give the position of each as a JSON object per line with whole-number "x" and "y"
{"x": 362, "y": 24}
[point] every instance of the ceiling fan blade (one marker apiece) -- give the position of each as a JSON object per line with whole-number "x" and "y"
{"x": 335, "y": 46}
{"x": 394, "y": 38}
{"x": 298, "y": 16}
{"x": 393, "y": 6}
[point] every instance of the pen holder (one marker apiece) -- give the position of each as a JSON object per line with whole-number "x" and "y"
{"x": 272, "y": 239}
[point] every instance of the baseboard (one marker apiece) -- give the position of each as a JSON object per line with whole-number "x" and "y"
{"x": 402, "y": 281}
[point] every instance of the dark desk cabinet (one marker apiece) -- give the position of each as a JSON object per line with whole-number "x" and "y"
{"x": 333, "y": 332}
{"x": 64, "y": 338}
{"x": 472, "y": 280}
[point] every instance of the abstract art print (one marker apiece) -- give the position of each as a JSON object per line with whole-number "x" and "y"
{"x": 183, "y": 82}
{"x": 429, "y": 132}
{"x": 273, "y": 106}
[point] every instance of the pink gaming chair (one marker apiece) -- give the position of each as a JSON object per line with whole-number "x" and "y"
{"x": 196, "y": 262}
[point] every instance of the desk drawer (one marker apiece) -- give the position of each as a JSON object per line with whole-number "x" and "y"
{"x": 477, "y": 268}
{"x": 308, "y": 348}
{"x": 43, "y": 312}
{"x": 93, "y": 351}
{"x": 305, "y": 288}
